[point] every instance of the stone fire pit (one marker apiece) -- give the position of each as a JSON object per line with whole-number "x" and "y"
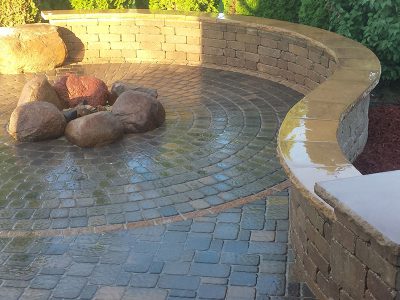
{"x": 82, "y": 108}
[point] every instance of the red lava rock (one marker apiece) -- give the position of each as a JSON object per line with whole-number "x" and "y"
{"x": 76, "y": 90}
{"x": 382, "y": 151}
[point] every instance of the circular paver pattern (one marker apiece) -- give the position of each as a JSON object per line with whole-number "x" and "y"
{"x": 217, "y": 145}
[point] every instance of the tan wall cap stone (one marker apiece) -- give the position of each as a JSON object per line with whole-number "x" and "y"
{"x": 311, "y": 108}
{"x": 304, "y": 179}
{"x": 303, "y": 129}
{"x": 323, "y": 154}
{"x": 347, "y": 74}
{"x": 370, "y": 201}
{"x": 124, "y": 14}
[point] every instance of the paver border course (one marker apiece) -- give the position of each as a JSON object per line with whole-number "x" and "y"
{"x": 320, "y": 136}
{"x": 152, "y": 222}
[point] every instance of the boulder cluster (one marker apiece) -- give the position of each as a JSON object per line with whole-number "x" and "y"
{"x": 84, "y": 110}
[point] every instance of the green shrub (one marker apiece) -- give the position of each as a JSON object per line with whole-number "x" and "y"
{"x": 248, "y": 7}
{"x": 375, "y": 24}
{"x": 229, "y": 6}
{"x": 15, "y": 12}
{"x": 51, "y": 4}
{"x": 286, "y": 10}
{"x": 314, "y": 13}
{"x": 142, "y": 4}
{"x": 185, "y": 5}
{"x": 102, "y": 4}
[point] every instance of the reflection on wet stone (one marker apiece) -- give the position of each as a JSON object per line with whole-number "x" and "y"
{"x": 215, "y": 146}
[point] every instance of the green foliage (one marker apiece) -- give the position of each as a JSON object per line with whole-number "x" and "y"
{"x": 142, "y": 4}
{"x": 230, "y": 6}
{"x": 248, "y": 7}
{"x": 101, "y": 4}
{"x": 286, "y": 10}
{"x": 15, "y": 12}
{"x": 91, "y": 4}
{"x": 185, "y": 5}
{"x": 314, "y": 13}
{"x": 221, "y": 7}
{"x": 52, "y": 5}
{"x": 374, "y": 23}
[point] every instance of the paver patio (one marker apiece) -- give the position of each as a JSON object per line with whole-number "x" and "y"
{"x": 195, "y": 209}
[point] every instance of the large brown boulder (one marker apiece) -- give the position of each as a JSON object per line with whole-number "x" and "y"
{"x": 120, "y": 87}
{"x": 39, "y": 89}
{"x": 36, "y": 121}
{"x": 138, "y": 112}
{"x": 94, "y": 130}
{"x": 30, "y": 48}
{"x": 76, "y": 90}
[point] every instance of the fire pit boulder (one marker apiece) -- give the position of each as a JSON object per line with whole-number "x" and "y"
{"x": 119, "y": 87}
{"x": 36, "y": 121}
{"x": 94, "y": 130}
{"x": 39, "y": 89}
{"x": 139, "y": 112}
{"x": 30, "y": 48}
{"x": 75, "y": 90}
{"x": 80, "y": 106}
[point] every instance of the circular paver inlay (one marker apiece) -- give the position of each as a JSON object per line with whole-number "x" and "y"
{"x": 217, "y": 145}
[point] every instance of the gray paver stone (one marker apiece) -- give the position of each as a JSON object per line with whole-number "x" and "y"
{"x": 273, "y": 285}
{"x": 210, "y": 291}
{"x": 144, "y": 280}
{"x": 179, "y": 282}
{"x": 227, "y": 231}
{"x": 243, "y": 279}
{"x": 212, "y": 270}
{"x": 69, "y": 287}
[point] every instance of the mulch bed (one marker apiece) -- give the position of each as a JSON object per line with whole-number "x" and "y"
{"x": 382, "y": 151}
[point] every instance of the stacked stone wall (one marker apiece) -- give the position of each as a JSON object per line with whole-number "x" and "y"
{"x": 337, "y": 258}
{"x": 194, "y": 42}
{"x": 353, "y": 129}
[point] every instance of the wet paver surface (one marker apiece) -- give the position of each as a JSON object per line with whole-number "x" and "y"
{"x": 67, "y": 214}
{"x": 217, "y": 145}
{"x": 241, "y": 253}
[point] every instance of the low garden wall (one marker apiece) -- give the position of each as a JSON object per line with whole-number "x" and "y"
{"x": 338, "y": 256}
{"x": 240, "y": 43}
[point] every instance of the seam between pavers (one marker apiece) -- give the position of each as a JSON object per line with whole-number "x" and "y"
{"x": 152, "y": 222}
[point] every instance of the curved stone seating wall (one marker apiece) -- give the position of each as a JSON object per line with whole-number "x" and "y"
{"x": 237, "y": 43}
{"x": 335, "y": 253}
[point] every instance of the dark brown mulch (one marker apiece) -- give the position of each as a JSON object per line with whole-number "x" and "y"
{"x": 382, "y": 152}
